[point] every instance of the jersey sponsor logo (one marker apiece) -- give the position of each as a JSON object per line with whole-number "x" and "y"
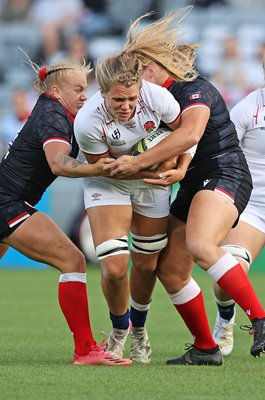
{"x": 116, "y": 134}
{"x": 116, "y": 138}
{"x": 149, "y": 126}
{"x": 194, "y": 96}
{"x": 96, "y": 196}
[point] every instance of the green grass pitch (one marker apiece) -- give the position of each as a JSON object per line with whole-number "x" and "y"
{"x": 37, "y": 347}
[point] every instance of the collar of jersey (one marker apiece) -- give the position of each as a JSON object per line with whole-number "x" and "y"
{"x": 72, "y": 118}
{"x": 168, "y": 82}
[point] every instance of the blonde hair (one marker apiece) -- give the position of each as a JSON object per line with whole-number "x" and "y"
{"x": 57, "y": 73}
{"x": 160, "y": 42}
{"x": 124, "y": 69}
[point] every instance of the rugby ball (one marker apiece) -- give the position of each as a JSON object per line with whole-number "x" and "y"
{"x": 150, "y": 141}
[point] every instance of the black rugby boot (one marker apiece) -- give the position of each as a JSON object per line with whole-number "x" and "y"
{"x": 196, "y": 356}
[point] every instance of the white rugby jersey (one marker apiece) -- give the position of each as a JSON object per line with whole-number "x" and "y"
{"x": 97, "y": 131}
{"x": 249, "y": 119}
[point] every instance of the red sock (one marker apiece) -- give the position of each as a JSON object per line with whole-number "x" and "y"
{"x": 194, "y": 315}
{"x": 74, "y": 305}
{"x": 236, "y": 284}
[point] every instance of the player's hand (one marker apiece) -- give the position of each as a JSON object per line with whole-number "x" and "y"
{"x": 122, "y": 167}
{"x": 167, "y": 165}
{"x": 167, "y": 178}
{"x": 99, "y": 165}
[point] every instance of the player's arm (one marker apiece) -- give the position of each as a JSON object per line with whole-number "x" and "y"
{"x": 184, "y": 136}
{"x": 61, "y": 164}
{"x": 170, "y": 176}
{"x": 93, "y": 158}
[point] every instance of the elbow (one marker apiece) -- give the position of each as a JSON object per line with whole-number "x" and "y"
{"x": 194, "y": 138}
{"x": 56, "y": 170}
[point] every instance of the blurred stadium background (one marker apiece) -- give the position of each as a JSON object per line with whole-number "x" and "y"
{"x": 231, "y": 32}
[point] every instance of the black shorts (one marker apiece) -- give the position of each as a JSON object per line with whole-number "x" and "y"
{"x": 12, "y": 215}
{"x": 229, "y": 176}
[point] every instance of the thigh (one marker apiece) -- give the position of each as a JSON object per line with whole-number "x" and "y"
{"x": 146, "y": 226}
{"x": 40, "y": 239}
{"x": 211, "y": 216}
{"x": 109, "y": 222}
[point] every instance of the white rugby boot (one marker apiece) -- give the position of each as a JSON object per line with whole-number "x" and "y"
{"x": 223, "y": 334}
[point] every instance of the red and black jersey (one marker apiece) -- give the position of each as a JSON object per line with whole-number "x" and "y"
{"x": 220, "y": 135}
{"x": 219, "y": 163}
{"x": 24, "y": 171}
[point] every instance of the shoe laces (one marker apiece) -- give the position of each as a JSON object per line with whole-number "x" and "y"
{"x": 189, "y": 346}
{"x": 256, "y": 329}
{"x": 96, "y": 348}
{"x": 100, "y": 351}
{"x": 112, "y": 340}
{"x": 248, "y": 328}
{"x": 140, "y": 341}
{"x": 221, "y": 323}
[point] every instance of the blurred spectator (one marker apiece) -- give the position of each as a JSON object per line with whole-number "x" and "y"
{"x": 95, "y": 19}
{"x": 247, "y": 5}
{"x": 209, "y": 3}
{"x": 76, "y": 48}
{"x": 122, "y": 12}
{"x": 15, "y": 10}
{"x": 55, "y": 20}
{"x": 15, "y": 118}
{"x": 229, "y": 77}
{"x": 253, "y": 69}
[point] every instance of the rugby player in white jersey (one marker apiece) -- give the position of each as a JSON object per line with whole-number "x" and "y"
{"x": 125, "y": 111}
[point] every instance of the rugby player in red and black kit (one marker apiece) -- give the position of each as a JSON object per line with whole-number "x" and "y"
{"x": 44, "y": 149}
{"x": 213, "y": 193}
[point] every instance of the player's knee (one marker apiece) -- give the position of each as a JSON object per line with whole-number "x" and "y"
{"x": 114, "y": 271}
{"x": 240, "y": 252}
{"x": 112, "y": 247}
{"x": 199, "y": 249}
{"x": 149, "y": 244}
{"x": 145, "y": 265}
{"x": 75, "y": 260}
{"x": 173, "y": 282}
{"x": 113, "y": 255}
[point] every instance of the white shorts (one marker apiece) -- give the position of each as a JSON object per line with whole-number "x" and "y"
{"x": 255, "y": 216}
{"x": 148, "y": 200}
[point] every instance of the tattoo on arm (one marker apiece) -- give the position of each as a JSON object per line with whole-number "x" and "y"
{"x": 64, "y": 160}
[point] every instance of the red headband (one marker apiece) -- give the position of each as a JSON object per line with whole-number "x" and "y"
{"x": 43, "y": 73}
